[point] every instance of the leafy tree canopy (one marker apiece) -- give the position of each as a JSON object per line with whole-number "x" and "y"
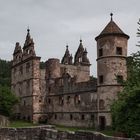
{"x": 126, "y": 110}
{"x": 5, "y": 72}
{"x": 7, "y": 100}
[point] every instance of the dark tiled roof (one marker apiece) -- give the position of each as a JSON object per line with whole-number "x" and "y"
{"x": 111, "y": 29}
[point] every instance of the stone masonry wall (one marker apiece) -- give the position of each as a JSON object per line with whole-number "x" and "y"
{"x": 49, "y": 133}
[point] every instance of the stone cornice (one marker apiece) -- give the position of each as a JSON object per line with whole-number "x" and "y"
{"x": 109, "y": 56}
{"x": 26, "y": 60}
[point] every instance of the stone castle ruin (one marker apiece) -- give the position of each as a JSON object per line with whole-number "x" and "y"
{"x": 63, "y": 93}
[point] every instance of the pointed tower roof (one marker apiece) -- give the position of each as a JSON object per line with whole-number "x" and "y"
{"x": 67, "y": 51}
{"x": 80, "y": 49}
{"x": 17, "y": 48}
{"x": 85, "y": 60}
{"x": 111, "y": 29}
{"x": 28, "y": 40}
{"x": 66, "y": 56}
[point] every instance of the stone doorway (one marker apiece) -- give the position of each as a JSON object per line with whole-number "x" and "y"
{"x": 102, "y": 122}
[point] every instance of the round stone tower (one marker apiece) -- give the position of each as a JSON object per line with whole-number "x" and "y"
{"x": 52, "y": 68}
{"x": 111, "y": 68}
{"x": 52, "y": 72}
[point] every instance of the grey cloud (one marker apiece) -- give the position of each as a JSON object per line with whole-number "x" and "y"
{"x": 54, "y": 23}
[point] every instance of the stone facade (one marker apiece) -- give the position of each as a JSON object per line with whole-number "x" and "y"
{"x": 64, "y": 93}
{"x": 48, "y": 133}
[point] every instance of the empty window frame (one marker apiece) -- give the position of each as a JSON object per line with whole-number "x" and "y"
{"x": 119, "y": 79}
{"x": 119, "y": 50}
{"x": 71, "y": 117}
{"x": 100, "y": 52}
{"x": 101, "y": 104}
{"x": 82, "y": 117}
{"x": 101, "y": 79}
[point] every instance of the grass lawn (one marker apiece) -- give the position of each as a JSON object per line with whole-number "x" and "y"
{"x": 108, "y": 132}
{"x": 66, "y": 128}
{"x": 19, "y": 123}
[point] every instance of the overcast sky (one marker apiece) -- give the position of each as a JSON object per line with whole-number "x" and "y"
{"x": 55, "y": 23}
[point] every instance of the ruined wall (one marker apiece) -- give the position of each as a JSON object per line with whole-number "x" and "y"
{"x": 70, "y": 87}
{"x": 46, "y": 133}
{"x": 82, "y": 73}
{"x": 22, "y": 87}
{"x": 4, "y": 121}
{"x": 72, "y": 109}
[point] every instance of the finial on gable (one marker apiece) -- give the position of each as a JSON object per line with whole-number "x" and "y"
{"x": 28, "y": 30}
{"x": 111, "y": 14}
{"x": 67, "y": 46}
{"x": 80, "y": 39}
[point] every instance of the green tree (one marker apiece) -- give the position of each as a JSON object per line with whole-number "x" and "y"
{"x": 7, "y": 100}
{"x": 126, "y": 109}
{"x": 5, "y": 72}
{"x": 138, "y": 33}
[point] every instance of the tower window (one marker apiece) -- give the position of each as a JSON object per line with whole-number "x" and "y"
{"x": 49, "y": 100}
{"x": 101, "y": 104}
{"x": 83, "y": 117}
{"x": 100, "y": 52}
{"x": 77, "y": 99}
{"x": 92, "y": 117}
{"x": 27, "y": 67}
{"x": 21, "y": 70}
{"x": 101, "y": 79}
{"x": 68, "y": 99}
{"x": 119, "y": 51}
{"x": 119, "y": 78}
{"x": 61, "y": 100}
{"x": 55, "y": 117}
{"x": 71, "y": 117}
{"x": 49, "y": 89}
{"x": 40, "y": 99}
{"x": 24, "y": 103}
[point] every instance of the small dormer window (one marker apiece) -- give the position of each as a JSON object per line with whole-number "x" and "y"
{"x": 119, "y": 51}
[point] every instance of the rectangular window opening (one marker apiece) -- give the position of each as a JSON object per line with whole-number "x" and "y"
{"x": 101, "y": 79}
{"x": 119, "y": 51}
{"x": 100, "y": 52}
{"x": 119, "y": 78}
